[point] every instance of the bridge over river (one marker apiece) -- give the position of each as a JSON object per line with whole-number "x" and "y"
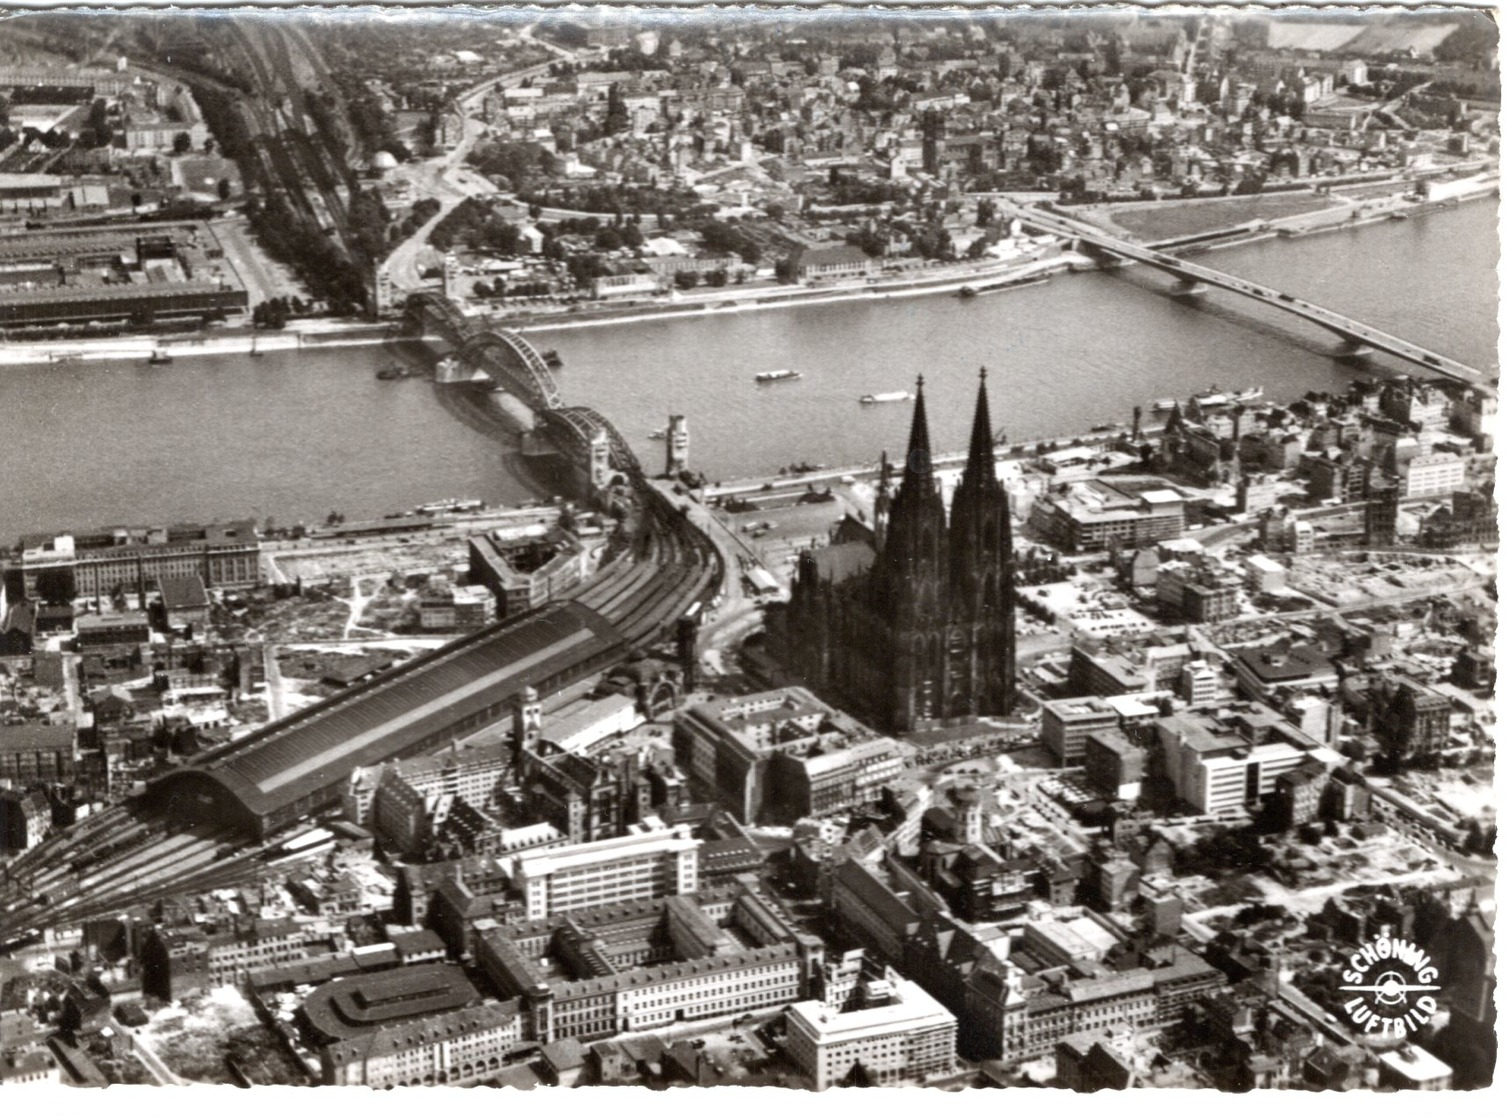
{"x": 503, "y": 357}
{"x": 1196, "y": 279}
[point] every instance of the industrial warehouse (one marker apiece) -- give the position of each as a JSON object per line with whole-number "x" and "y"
{"x": 140, "y": 274}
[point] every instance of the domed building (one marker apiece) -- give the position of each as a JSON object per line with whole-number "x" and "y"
{"x": 382, "y": 163}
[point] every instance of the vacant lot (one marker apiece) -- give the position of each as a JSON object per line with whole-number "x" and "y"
{"x": 195, "y": 1038}
{"x": 1164, "y": 220}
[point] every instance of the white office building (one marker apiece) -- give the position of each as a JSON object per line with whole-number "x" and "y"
{"x": 642, "y": 866}
{"x": 902, "y": 1033}
{"x": 1431, "y": 474}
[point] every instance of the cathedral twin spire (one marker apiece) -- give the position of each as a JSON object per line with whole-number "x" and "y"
{"x": 929, "y": 558}
{"x": 918, "y": 495}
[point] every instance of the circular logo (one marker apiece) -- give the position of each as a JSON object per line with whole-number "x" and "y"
{"x": 1388, "y": 986}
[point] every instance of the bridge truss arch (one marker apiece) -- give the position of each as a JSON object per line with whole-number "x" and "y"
{"x": 577, "y": 427}
{"x": 518, "y": 361}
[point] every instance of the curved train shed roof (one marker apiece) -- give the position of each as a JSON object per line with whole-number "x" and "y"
{"x": 318, "y": 748}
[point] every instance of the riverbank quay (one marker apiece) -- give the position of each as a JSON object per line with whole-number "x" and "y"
{"x": 327, "y": 334}
{"x": 1342, "y": 212}
{"x": 1334, "y": 211}
{"x": 145, "y": 347}
{"x": 733, "y": 301}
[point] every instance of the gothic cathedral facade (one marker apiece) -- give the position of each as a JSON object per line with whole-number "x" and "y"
{"x": 915, "y": 623}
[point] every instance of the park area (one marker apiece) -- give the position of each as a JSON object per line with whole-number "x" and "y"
{"x": 1166, "y": 220}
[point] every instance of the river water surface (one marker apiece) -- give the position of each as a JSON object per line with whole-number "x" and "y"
{"x": 294, "y": 435}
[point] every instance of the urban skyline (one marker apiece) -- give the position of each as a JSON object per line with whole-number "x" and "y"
{"x": 1105, "y": 731}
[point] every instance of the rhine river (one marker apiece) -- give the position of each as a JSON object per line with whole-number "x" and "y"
{"x": 294, "y": 435}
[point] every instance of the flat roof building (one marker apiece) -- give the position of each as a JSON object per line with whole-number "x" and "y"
{"x": 1222, "y": 760}
{"x": 1413, "y": 1068}
{"x": 1069, "y": 722}
{"x": 643, "y": 866}
{"x": 101, "y": 274}
{"x": 730, "y": 748}
{"x": 905, "y": 1034}
{"x": 1092, "y": 514}
{"x": 105, "y": 559}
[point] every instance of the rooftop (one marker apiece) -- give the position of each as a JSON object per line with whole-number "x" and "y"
{"x": 345, "y": 1009}
{"x": 909, "y": 1009}
{"x": 318, "y": 747}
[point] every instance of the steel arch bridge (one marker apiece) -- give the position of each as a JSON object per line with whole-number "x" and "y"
{"x": 502, "y": 354}
{"x": 518, "y": 361}
{"x": 430, "y": 311}
{"x": 577, "y": 426}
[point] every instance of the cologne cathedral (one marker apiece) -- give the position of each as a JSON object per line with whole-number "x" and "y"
{"x": 911, "y": 620}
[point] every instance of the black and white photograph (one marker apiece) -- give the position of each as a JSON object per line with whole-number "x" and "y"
{"x": 800, "y": 546}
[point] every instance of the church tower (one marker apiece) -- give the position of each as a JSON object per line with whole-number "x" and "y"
{"x": 981, "y": 637}
{"x": 911, "y": 579}
{"x": 915, "y": 624}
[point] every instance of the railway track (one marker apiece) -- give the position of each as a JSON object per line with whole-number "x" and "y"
{"x": 121, "y": 859}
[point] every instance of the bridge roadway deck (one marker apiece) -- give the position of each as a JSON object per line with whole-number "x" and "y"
{"x": 1349, "y": 329}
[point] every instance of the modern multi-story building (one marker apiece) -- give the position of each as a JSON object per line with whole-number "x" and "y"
{"x": 1413, "y": 1068}
{"x": 1156, "y": 668}
{"x": 455, "y": 609}
{"x": 1411, "y": 719}
{"x": 899, "y": 1032}
{"x": 837, "y": 777}
{"x": 1263, "y": 669}
{"x": 1094, "y": 514}
{"x": 1300, "y": 791}
{"x": 1114, "y": 765}
{"x": 1198, "y": 683}
{"x": 100, "y": 562}
{"x": 640, "y": 866}
{"x": 1069, "y": 722}
{"x": 525, "y": 573}
{"x": 781, "y": 754}
{"x": 1221, "y": 760}
{"x": 1431, "y": 474}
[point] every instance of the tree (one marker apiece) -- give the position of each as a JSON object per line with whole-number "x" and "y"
{"x": 686, "y": 280}
{"x": 182, "y": 143}
{"x": 719, "y": 278}
{"x": 223, "y": 188}
{"x": 98, "y": 126}
{"x": 618, "y": 114}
